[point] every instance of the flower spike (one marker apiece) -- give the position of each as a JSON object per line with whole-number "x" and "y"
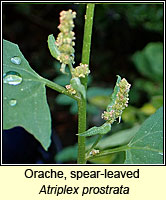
{"x": 119, "y": 101}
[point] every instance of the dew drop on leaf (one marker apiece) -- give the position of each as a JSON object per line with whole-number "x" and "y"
{"x": 13, "y": 102}
{"x": 16, "y": 60}
{"x": 161, "y": 153}
{"x": 12, "y": 78}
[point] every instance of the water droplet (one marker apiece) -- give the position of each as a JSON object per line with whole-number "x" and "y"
{"x": 13, "y": 102}
{"x": 22, "y": 89}
{"x": 16, "y": 60}
{"x": 12, "y": 78}
{"x": 161, "y": 153}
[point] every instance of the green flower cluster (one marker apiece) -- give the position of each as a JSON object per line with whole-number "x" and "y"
{"x": 65, "y": 38}
{"x": 121, "y": 102}
{"x": 81, "y": 71}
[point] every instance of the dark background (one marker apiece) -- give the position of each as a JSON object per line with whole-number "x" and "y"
{"x": 119, "y": 31}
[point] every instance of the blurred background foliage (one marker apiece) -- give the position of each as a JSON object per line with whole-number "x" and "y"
{"x": 127, "y": 40}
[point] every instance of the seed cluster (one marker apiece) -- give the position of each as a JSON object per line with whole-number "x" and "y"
{"x": 65, "y": 38}
{"x": 81, "y": 71}
{"x": 120, "y": 104}
{"x": 94, "y": 152}
{"x": 70, "y": 89}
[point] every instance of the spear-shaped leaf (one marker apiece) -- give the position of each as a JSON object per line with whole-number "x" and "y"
{"x": 101, "y": 130}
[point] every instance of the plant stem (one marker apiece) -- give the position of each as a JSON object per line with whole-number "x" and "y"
{"x": 87, "y": 37}
{"x": 108, "y": 152}
{"x": 70, "y": 67}
{"x": 58, "y": 88}
{"x": 94, "y": 144}
{"x": 119, "y": 149}
{"x": 81, "y": 128}
{"x": 85, "y": 60}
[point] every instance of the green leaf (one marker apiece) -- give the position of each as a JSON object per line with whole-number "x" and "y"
{"x": 119, "y": 138}
{"x": 99, "y": 97}
{"x": 114, "y": 158}
{"x": 149, "y": 61}
{"x": 114, "y": 94}
{"x": 62, "y": 80}
{"x": 150, "y": 87}
{"x": 24, "y": 99}
{"x": 93, "y": 110}
{"x": 98, "y": 91}
{"x": 101, "y": 130}
{"x": 129, "y": 115}
{"x": 157, "y": 101}
{"x": 147, "y": 145}
{"x": 52, "y": 46}
{"x": 154, "y": 55}
{"x": 76, "y": 84}
{"x": 67, "y": 154}
{"x": 119, "y": 159}
{"x": 62, "y": 99}
{"x": 100, "y": 101}
{"x": 74, "y": 108}
{"x": 103, "y": 160}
